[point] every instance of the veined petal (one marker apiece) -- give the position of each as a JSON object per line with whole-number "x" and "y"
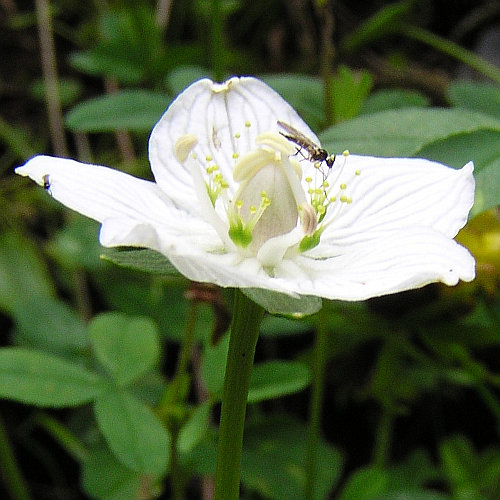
{"x": 391, "y": 193}
{"x": 401, "y": 260}
{"x": 378, "y": 225}
{"x": 226, "y": 119}
{"x": 95, "y": 191}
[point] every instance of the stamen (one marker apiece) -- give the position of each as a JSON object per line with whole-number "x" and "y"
{"x": 308, "y": 218}
{"x": 184, "y": 145}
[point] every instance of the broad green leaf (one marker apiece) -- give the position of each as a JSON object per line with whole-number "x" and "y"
{"x": 40, "y": 379}
{"x": 386, "y": 99}
{"x": 100, "y": 61}
{"x": 349, "y": 90}
{"x": 274, "y": 379}
{"x": 459, "y": 461}
{"x": 69, "y": 90}
{"x": 18, "y": 143}
{"x": 277, "y": 326}
{"x": 403, "y": 132}
{"x": 305, "y": 93}
{"x": 133, "y": 432}
{"x": 146, "y": 260}
{"x": 183, "y": 76}
{"x": 133, "y": 110}
{"x": 483, "y": 147}
{"x": 105, "y": 478}
{"x": 483, "y": 97}
{"x": 76, "y": 245}
{"x": 193, "y": 431}
{"x": 50, "y": 325}
{"x": 214, "y": 366}
{"x": 414, "y": 472}
{"x": 22, "y": 273}
{"x": 127, "y": 346}
{"x": 280, "y": 303}
{"x": 273, "y": 461}
{"x": 365, "y": 484}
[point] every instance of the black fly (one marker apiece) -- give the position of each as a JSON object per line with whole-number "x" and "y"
{"x": 314, "y": 152}
{"x": 46, "y": 183}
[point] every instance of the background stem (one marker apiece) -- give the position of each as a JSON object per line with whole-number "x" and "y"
{"x": 244, "y": 334}
{"x": 316, "y": 402}
{"x": 50, "y": 78}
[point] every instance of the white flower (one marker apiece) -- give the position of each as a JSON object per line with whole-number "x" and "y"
{"x": 238, "y": 204}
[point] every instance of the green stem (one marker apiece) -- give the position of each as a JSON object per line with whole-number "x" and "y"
{"x": 453, "y": 50}
{"x": 383, "y": 438}
{"x": 176, "y": 393}
{"x": 316, "y": 402}
{"x": 63, "y": 436}
{"x": 12, "y": 476}
{"x": 247, "y": 316}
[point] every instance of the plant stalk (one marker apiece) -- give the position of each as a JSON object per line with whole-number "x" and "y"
{"x": 452, "y": 49}
{"x": 316, "y": 402}
{"x": 247, "y": 316}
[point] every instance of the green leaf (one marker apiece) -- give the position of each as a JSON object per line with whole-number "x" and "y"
{"x": 304, "y": 93}
{"x": 76, "y": 245}
{"x": 50, "y": 325}
{"x": 273, "y": 460}
{"x": 274, "y": 379}
{"x": 365, "y": 484}
{"x": 194, "y": 430}
{"x": 412, "y": 494}
{"x": 102, "y": 61}
{"x": 280, "y": 303}
{"x": 483, "y": 147}
{"x": 183, "y": 76}
{"x": 386, "y": 99}
{"x": 127, "y": 346}
{"x": 22, "y": 273}
{"x": 214, "y": 366}
{"x": 460, "y": 462}
{"x": 104, "y": 477}
{"x": 41, "y": 379}
{"x": 277, "y": 326}
{"x": 386, "y": 21}
{"x": 133, "y": 432}
{"x": 483, "y": 97}
{"x": 146, "y": 260}
{"x": 133, "y": 110}
{"x": 69, "y": 90}
{"x": 403, "y": 132}
{"x": 349, "y": 90}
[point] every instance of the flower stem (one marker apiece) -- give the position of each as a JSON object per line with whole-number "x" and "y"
{"x": 11, "y": 473}
{"x": 316, "y": 403}
{"x": 383, "y": 438}
{"x": 452, "y": 49}
{"x": 247, "y": 316}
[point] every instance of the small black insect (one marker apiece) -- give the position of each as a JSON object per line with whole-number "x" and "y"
{"x": 315, "y": 153}
{"x": 46, "y": 183}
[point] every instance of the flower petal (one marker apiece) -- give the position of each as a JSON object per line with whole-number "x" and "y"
{"x": 392, "y": 193}
{"x": 226, "y": 118}
{"x": 95, "y": 191}
{"x": 401, "y": 260}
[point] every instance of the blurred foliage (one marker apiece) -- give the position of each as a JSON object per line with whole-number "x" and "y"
{"x": 95, "y": 340}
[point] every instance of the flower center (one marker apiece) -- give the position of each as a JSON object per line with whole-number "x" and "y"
{"x": 259, "y": 217}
